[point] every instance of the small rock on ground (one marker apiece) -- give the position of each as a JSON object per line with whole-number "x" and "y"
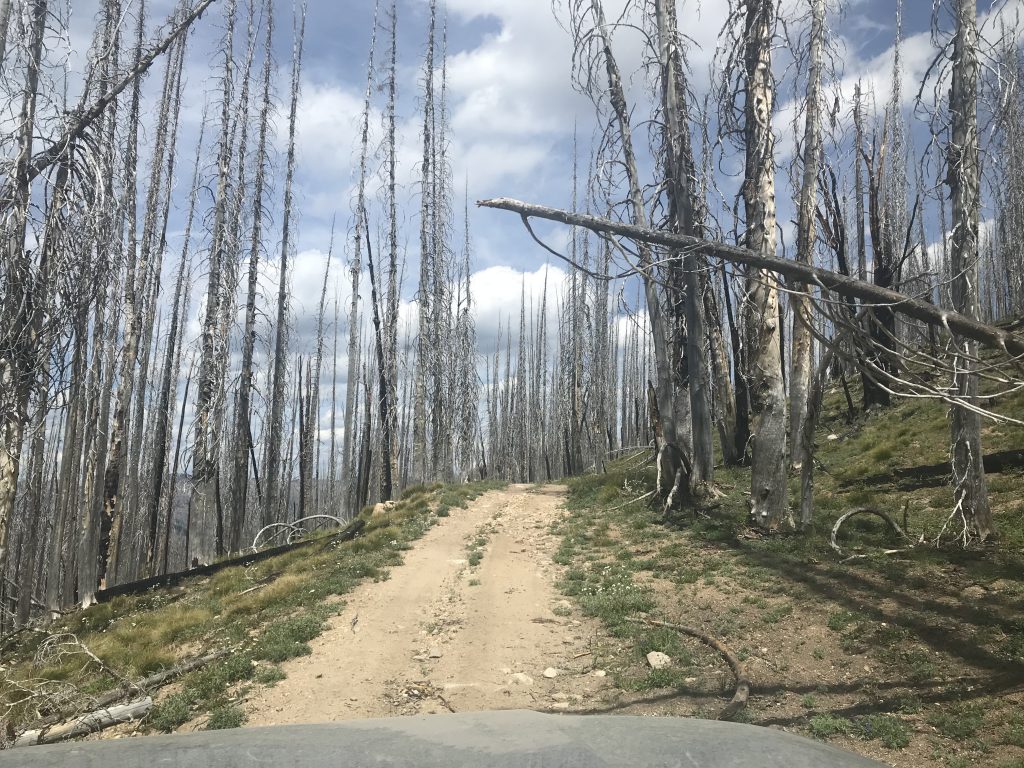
{"x": 658, "y": 660}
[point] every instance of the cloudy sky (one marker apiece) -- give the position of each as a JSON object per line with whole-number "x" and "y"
{"x": 514, "y": 115}
{"x": 514, "y": 111}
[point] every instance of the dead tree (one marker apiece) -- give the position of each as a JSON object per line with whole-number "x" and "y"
{"x": 17, "y": 351}
{"x": 384, "y": 386}
{"x": 769, "y": 502}
{"x": 592, "y": 35}
{"x": 271, "y": 500}
{"x": 684, "y": 209}
{"x": 349, "y": 453}
{"x": 971, "y": 505}
{"x": 803, "y": 349}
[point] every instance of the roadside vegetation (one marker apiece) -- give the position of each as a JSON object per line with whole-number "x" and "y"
{"x": 263, "y": 615}
{"x": 914, "y": 657}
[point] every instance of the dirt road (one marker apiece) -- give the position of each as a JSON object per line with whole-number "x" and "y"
{"x": 444, "y": 635}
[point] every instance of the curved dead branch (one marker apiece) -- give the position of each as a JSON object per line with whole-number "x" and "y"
{"x": 292, "y": 528}
{"x": 739, "y": 671}
{"x": 865, "y": 511}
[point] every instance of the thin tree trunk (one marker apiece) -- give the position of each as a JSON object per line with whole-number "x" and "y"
{"x": 271, "y": 500}
{"x": 384, "y": 387}
{"x": 685, "y": 209}
{"x": 242, "y": 444}
{"x": 800, "y": 301}
{"x": 17, "y": 353}
{"x": 663, "y": 365}
{"x": 165, "y": 402}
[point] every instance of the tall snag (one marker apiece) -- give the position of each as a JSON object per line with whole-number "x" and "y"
{"x": 271, "y": 502}
{"x": 803, "y": 342}
{"x": 206, "y": 524}
{"x": 673, "y": 405}
{"x": 349, "y": 453}
{"x": 769, "y": 502}
{"x": 242, "y": 440}
{"x": 963, "y": 177}
{"x": 17, "y": 356}
{"x": 684, "y": 210}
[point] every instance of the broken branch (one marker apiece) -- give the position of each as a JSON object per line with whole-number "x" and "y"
{"x": 739, "y": 671}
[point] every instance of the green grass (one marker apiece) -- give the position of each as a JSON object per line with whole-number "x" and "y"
{"x": 777, "y": 614}
{"x": 824, "y": 726}
{"x": 888, "y": 729}
{"x": 289, "y": 638}
{"x": 224, "y": 717}
{"x": 840, "y": 620}
{"x": 959, "y": 720}
{"x": 171, "y": 712}
{"x": 655, "y": 679}
{"x": 269, "y": 675}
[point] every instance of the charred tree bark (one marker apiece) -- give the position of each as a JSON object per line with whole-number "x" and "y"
{"x": 271, "y": 500}
{"x": 684, "y": 208}
{"x": 17, "y": 343}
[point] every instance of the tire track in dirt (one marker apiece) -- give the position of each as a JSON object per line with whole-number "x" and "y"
{"x": 440, "y": 635}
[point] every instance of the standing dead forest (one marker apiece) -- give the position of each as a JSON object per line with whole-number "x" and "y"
{"x": 162, "y": 408}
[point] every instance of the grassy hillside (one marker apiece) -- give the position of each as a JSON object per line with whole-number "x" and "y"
{"x": 916, "y": 658}
{"x": 263, "y": 614}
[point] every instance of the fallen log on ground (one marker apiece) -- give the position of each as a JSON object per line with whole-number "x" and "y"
{"x": 739, "y": 671}
{"x": 83, "y": 725}
{"x": 101, "y": 703}
{"x": 170, "y": 579}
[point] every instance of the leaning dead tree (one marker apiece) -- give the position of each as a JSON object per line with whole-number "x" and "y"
{"x": 1008, "y": 346}
{"x": 989, "y": 336}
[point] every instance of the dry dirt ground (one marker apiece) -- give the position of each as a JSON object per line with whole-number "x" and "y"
{"x": 441, "y": 634}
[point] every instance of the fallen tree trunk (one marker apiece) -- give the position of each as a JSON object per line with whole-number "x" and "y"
{"x": 350, "y": 531}
{"x": 986, "y": 335}
{"x": 146, "y": 686}
{"x": 94, "y": 721}
{"x": 739, "y": 671}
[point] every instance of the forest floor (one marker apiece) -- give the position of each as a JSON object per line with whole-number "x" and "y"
{"x": 913, "y": 657}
